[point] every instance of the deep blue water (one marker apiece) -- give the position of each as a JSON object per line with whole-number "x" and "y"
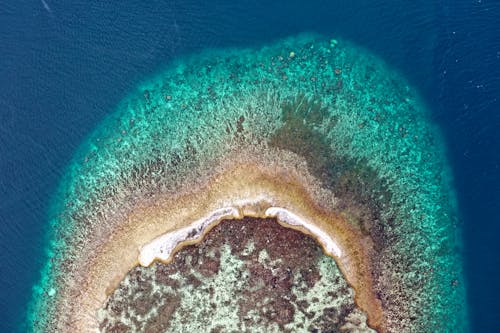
{"x": 65, "y": 65}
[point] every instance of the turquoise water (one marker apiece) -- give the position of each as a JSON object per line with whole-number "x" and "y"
{"x": 66, "y": 66}
{"x": 362, "y": 122}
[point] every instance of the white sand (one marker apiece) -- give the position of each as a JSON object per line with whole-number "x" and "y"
{"x": 162, "y": 247}
{"x": 285, "y": 216}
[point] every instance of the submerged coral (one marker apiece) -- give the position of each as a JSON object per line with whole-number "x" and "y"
{"x": 246, "y": 275}
{"x": 323, "y": 130}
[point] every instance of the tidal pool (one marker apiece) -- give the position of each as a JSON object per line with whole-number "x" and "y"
{"x": 313, "y": 135}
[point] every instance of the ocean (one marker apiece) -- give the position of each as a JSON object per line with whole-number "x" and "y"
{"x": 65, "y": 66}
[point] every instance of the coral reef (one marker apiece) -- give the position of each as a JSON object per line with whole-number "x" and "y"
{"x": 320, "y": 128}
{"x": 246, "y": 275}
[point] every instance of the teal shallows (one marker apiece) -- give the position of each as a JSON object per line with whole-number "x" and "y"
{"x": 368, "y": 122}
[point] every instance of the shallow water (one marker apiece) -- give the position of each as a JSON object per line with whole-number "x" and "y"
{"x": 64, "y": 67}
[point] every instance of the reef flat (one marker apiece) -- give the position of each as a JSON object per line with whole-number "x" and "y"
{"x": 306, "y": 129}
{"x": 246, "y": 275}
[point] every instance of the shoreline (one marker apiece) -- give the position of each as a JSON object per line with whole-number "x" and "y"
{"x": 258, "y": 198}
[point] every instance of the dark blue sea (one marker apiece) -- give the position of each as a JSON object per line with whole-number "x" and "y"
{"x": 64, "y": 66}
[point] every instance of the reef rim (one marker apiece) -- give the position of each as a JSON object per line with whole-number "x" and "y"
{"x": 249, "y": 190}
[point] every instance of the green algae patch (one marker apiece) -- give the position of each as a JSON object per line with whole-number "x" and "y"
{"x": 323, "y": 129}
